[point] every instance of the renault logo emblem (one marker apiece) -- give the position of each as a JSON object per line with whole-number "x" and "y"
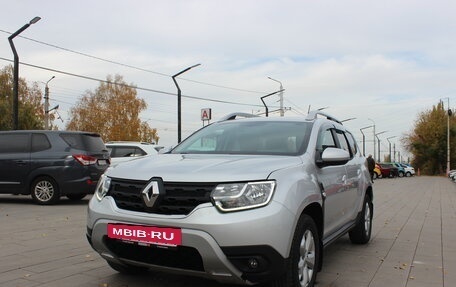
{"x": 150, "y": 193}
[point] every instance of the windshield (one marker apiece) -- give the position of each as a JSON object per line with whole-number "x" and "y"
{"x": 249, "y": 137}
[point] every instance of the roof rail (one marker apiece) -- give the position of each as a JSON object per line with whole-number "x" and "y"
{"x": 314, "y": 114}
{"x": 233, "y": 116}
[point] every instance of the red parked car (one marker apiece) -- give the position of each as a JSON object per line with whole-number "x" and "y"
{"x": 387, "y": 170}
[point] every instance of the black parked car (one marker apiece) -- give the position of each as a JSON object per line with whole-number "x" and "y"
{"x": 50, "y": 164}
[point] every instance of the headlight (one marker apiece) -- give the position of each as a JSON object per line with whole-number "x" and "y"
{"x": 239, "y": 196}
{"x": 102, "y": 187}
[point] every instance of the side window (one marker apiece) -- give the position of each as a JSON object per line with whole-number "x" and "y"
{"x": 352, "y": 143}
{"x": 40, "y": 142}
{"x": 123, "y": 151}
{"x": 14, "y": 143}
{"x": 342, "y": 141}
{"x": 325, "y": 140}
{"x": 139, "y": 152}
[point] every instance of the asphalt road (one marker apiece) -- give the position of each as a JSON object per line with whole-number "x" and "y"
{"x": 413, "y": 244}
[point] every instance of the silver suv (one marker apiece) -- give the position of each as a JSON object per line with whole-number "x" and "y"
{"x": 243, "y": 201}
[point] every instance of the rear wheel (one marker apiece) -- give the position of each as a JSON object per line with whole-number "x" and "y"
{"x": 361, "y": 234}
{"x": 401, "y": 174}
{"x": 45, "y": 191}
{"x": 304, "y": 256}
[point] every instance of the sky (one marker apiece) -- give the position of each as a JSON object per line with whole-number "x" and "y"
{"x": 368, "y": 62}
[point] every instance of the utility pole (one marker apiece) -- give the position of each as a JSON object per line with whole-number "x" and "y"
{"x": 46, "y": 104}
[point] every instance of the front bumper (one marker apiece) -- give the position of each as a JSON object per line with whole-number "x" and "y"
{"x": 245, "y": 247}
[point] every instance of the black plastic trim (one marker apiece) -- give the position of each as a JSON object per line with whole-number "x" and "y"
{"x": 271, "y": 264}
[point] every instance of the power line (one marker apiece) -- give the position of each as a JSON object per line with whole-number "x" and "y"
{"x": 131, "y": 66}
{"x": 130, "y": 86}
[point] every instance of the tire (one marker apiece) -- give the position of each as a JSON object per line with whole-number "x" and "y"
{"x": 76, "y": 196}
{"x": 361, "y": 234}
{"x": 401, "y": 174}
{"x": 45, "y": 191}
{"x": 305, "y": 256}
{"x": 408, "y": 174}
{"x": 127, "y": 269}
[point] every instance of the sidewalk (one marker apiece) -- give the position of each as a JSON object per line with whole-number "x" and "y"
{"x": 413, "y": 242}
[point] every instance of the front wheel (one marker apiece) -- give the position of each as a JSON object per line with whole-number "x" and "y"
{"x": 45, "y": 191}
{"x": 361, "y": 234}
{"x": 304, "y": 256}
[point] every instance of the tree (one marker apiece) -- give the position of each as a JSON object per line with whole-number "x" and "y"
{"x": 112, "y": 110}
{"x": 428, "y": 141}
{"x": 31, "y": 109}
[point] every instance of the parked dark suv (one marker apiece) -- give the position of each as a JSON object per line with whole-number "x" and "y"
{"x": 50, "y": 164}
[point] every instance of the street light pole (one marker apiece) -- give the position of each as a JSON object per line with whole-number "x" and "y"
{"x": 364, "y": 140}
{"x": 378, "y": 159}
{"x": 388, "y": 139}
{"x": 16, "y": 72}
{"x": 373, "y": 134}
{"x": 280, "y": 95}
{"x": 46, "y": 104}
{"x": 448, "y": 137}
{"x": 179, "y": 96}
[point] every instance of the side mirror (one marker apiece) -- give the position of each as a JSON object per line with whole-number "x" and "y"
{"x": 334, "y": 156}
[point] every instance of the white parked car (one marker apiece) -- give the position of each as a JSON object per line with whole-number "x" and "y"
{"x": 128, "y": 150}
{"x": 409, "y": 171}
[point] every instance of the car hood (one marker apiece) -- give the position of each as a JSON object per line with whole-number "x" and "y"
{"x": 202, "y": 168}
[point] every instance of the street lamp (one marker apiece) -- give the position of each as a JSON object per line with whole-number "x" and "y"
{"x": 364, "y": 140}
{"x": 46, "y": 104}
{"x": 390, "y": 146}
{"x": 16, "y": 72}
{"x": 448, "y": 136}
{"x": 179, "y": 96}
{"x": 264, "y": 104}
{"x": 373, "y": 134}
{"x": 280, "y": 95}
{"x": 378, "y": 159}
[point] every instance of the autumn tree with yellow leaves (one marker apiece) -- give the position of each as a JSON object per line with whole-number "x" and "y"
{"x": 428, "y": 140}
{"x": 112, "y": 110}
{"x": 31, "y": 109}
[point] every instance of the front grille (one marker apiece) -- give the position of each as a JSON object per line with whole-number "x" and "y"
{"x": 178, "y": 198}
{"x": 181, "y": 257}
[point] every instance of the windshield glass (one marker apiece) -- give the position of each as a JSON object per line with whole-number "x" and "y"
{"x": 249, "y": 137}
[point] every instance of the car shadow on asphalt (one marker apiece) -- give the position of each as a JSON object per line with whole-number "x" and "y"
{"x": 26, "y": 199}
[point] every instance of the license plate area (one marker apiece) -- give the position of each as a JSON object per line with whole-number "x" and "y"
{"x": 164, "y": 236}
